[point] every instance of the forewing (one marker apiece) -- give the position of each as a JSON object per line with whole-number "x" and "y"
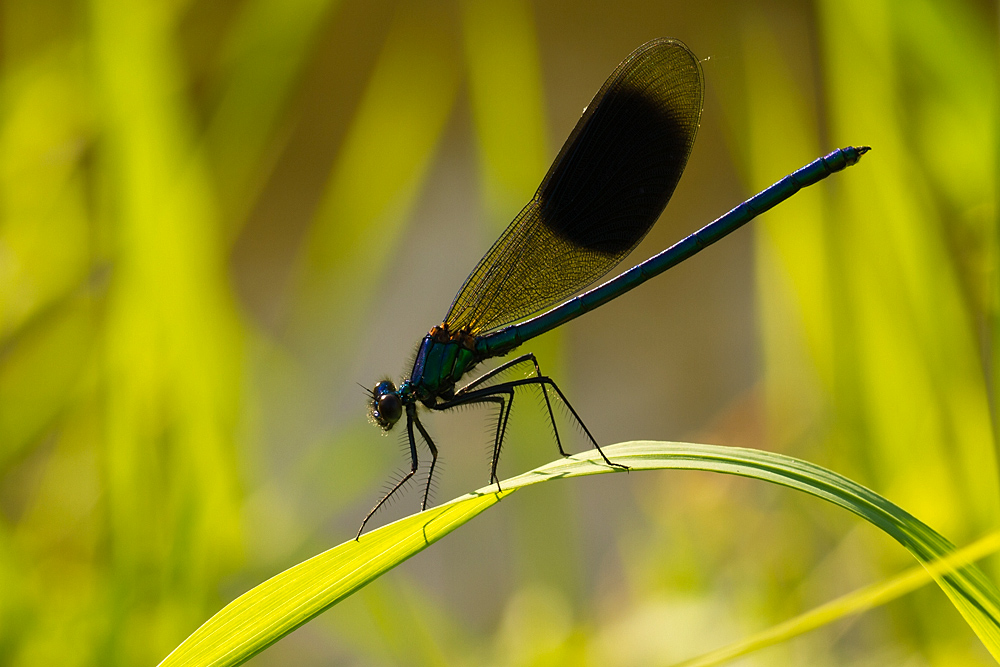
{"x": 606, "y": 188}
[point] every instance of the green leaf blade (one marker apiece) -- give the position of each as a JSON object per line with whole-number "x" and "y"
{"x": 263, "y": 615}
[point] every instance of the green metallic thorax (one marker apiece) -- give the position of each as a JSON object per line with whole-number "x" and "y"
{"x": 441, "y": 362}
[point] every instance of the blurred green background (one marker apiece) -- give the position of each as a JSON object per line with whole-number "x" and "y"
{"x": 219, "y": 216}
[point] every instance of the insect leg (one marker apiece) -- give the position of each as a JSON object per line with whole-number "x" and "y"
{"x": 501, "y": 431}
{"x": 411, "y": 416}
{"x": 488, "y": 396}
{"x": 434, "y": 458}
{"x": 545, "y": 380}
{"x": 538, "y": 373}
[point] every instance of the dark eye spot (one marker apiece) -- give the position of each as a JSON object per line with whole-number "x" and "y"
{"x": 390, "y": 408}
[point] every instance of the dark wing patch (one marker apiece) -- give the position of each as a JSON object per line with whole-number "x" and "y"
{"x": 608, "y": 185}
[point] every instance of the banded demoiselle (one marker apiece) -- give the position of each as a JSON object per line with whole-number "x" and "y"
{"x": 605, "y": 189}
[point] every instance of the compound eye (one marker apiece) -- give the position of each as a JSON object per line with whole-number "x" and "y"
{"x": 390, "y": 408}
{"x": 383, "y": 387}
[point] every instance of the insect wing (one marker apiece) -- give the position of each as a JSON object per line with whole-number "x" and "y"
{"x": 607, "y": 187}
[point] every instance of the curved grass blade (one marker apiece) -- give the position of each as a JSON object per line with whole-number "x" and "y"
{"x": 263, "y": 615}
{"x": 855, "y": 602}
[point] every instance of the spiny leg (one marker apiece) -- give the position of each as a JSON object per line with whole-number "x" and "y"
{"x": 507, "y": 387}
{"x": 538, "y": 373}
{"x": 501, "y": 423}
{"x": 501, "y": 431}
{"x": 434, "y": 458}
{"x": 547, "y": 380}
{"x": 411, "y": 416}
{"x": 496, "y": 371}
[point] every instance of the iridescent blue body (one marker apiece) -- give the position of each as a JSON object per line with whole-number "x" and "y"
{"x": 442, "y": 361}
{"x": 506, "y": 339}
{"x": 445, "y": 357}
{"x": 606, "y": 188}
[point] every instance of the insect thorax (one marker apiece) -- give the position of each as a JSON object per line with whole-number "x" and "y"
{"x": 443, "y": 358}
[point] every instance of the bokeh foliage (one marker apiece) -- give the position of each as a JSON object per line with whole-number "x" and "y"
{"x": 216, "y": 217}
